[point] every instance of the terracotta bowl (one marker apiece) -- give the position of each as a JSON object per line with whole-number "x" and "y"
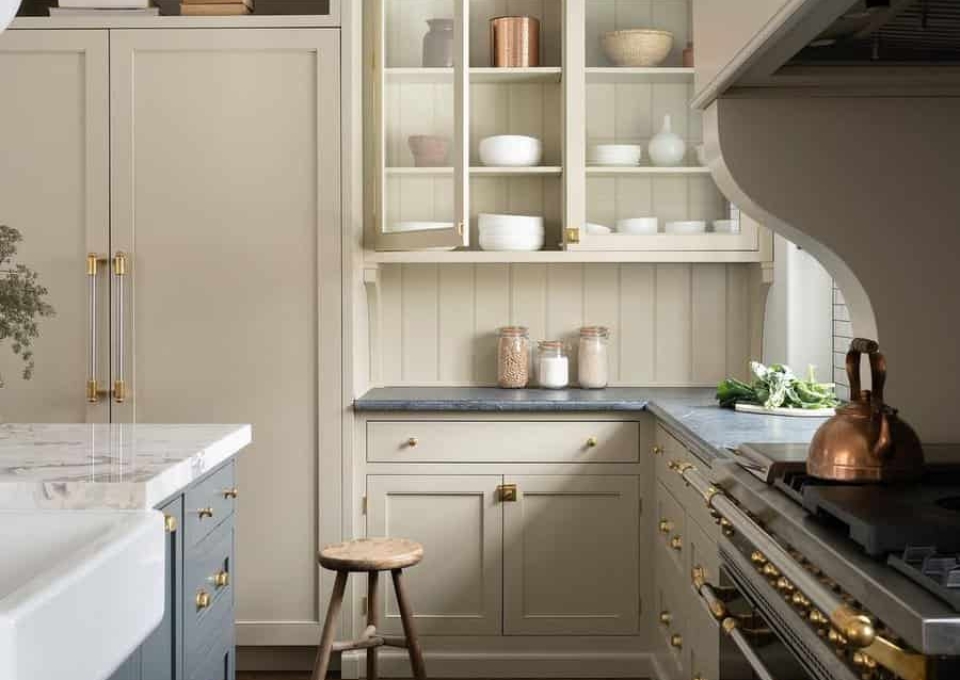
{"x": 429, "y": 151}
{"x": 637, "y": 47}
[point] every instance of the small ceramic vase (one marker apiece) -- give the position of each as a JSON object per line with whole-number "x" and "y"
{"x": 666, "y": 148}
{"x": 438, "y": 44}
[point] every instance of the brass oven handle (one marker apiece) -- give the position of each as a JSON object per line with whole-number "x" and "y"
{"x": 716, "y": 606}
{"x": 120, "y": 274}
{"x": 857, "y": 628}
{"x": 732, "y": 628}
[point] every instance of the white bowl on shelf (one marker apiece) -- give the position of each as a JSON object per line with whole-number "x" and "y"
{"x": 596, "y": 229}
{"x": 686, "y": 227}
{"x": 510, "y": 232}
{"x": 638, "y": 226}
{"x": 510, "y": 151}
{"x": 726, "y": 227}
{"x": 614, "y": 154}
{"x": 637, "y": 47}
{"x": 398, "y": 227}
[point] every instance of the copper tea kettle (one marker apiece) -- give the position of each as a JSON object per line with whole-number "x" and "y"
{"x": 866, "y": 441}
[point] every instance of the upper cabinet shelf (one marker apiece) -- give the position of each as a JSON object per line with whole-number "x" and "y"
{"x": 436, "y": 94}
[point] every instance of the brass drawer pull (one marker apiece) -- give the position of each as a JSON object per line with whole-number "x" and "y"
{"x": 412, "y": 442}
{"x": 676, "y": 640}
{"x": 231, "y": 493}
{"x": 221, "y": 578}
{"x": 665, "y": 618}
{"x": 665, "y": 526}
{"x": 676, "y": 543}
{"x": 205, "y": 512}
{"x": 508, "y": 493}
{"x": 203, "y": 599}
{"x": 657, "y": 449}
{"x": 169, "y": 523}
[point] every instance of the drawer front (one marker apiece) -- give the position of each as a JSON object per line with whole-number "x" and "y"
{"x": 700, "y": 551}
{"x": 513, "y": 442}
{"x": 208, "y": 502}
{"x": 668, "y": 453}
{"x": 671, "y": 529}
{"x": 671, "y": 619}
{"x": 208, "y": 593}
{"x": 219, "y": 660}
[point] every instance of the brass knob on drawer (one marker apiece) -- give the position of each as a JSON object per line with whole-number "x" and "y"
{"x": 203, "y": 599}
{"x": 665, "y": 526}
{"x": 676, "y": 543}
{"x": 221, "y": 578}
{"x": 231, "y": 493}
{"x": 205, "y": 512}
{"x": 412, "y": 442}
{"x": 591, "y": 442}
{"x": 657, "y": 449}
{"x": 758, "y": 557}
{"x": 665, "y": 618}
{"x": 676, "y": 640}
{"x": 169, "y": 523}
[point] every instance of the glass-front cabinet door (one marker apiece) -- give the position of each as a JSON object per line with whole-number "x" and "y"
{"x": 419, "y": 144}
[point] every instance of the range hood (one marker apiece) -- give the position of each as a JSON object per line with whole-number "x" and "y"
{"x": 837, "y": 124}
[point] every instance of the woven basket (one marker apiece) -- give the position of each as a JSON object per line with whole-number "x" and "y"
{"x": 637, "y": 47}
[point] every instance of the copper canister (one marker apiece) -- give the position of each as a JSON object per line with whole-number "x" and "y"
{"x": 515, "y": 41}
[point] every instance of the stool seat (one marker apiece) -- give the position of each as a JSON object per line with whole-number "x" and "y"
{"x": 371, "y": 554}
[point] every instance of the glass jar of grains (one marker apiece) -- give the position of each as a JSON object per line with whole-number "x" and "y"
{"x": 513, "y": 357}
{"x": 553, "y": 365}
{"x": 592, "y": 357}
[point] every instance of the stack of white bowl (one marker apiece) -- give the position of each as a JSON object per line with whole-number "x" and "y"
{"x": 510, "y": 232}
{"x": 614, "y": 154}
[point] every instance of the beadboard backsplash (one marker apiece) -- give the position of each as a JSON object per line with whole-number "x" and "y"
{"x": 671, "y": 324}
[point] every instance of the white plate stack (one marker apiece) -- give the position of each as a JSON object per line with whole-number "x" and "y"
{"x": 510, "y": 232}
{"x": 104, "y": 8}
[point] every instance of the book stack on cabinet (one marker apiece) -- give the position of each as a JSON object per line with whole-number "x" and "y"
{"x": 215, "y": 7}
{"x": 103, "y": 8}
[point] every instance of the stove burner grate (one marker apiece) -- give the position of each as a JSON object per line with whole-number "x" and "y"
{"x": 940, "y": 574}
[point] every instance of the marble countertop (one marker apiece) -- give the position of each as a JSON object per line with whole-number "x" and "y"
{"x": 124, "y": 466}
{"x": 690, "y": 412}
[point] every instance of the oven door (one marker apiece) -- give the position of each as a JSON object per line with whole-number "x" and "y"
{"x": 764, "y": 637}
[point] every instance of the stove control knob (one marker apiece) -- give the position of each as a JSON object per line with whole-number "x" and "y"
{"x": 770, "y": 571}
{"x": 784, "y": 585}
{"x": 817, "y": 618}
{"x": 726, "y": 527}
{"x": 799, "y": 600}
{"x": 758, "y": 557}
{"x": 836, "y": 638}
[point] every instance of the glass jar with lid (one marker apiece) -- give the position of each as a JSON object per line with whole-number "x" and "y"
{"x": 553, "y": 365}
{"x": 513, "y": 357}
{"x": 593, "y": 357}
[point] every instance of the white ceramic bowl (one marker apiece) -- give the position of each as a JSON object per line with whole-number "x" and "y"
{"x": 510, "y": 150}
{"x": 397, "y": 227}
{"x": 510, "y": 232}
{"x": 726, "y": 227}
{"x": 596, "y": 229}
{"x": 640, "y": 226}
{"x": 615, "y": 154}
{"x": 497, "y": 222}
{"x": 637, "y": 47}
{"x": 686, "y": 227}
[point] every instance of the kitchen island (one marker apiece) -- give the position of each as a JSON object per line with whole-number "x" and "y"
{"x": 177, "y": 484}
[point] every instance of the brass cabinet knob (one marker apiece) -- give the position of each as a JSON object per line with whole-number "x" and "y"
{"x": 758, "y": 557}
{"x": 676, "y": 640}
{"x": 231, "y": 493}
{"x": 665, "y": 526}
{"x": 221, "y": 578}
{"x": 665, "y": 618}
{"x": 508, "y": 493}
{"x": 591, "y": 442}
{"x": 657, "y": 449}
{"x": 205, "y": 512}
{"x": 412, "y": 442}
{"x": 169, "y": 523}
{"x": 203, "y": 599}
{"x": 676, "y": 543}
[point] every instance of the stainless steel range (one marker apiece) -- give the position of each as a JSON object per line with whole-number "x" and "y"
{"x": 832, "y": 582}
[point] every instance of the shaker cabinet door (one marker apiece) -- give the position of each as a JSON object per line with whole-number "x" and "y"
{"x": 456, "y": 589}
{"x": 54, "y": 190}
{"x": 570, "y": 548}
{"x": 226, "y": 198}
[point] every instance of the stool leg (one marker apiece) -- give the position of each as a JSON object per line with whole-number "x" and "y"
{"x": 322, "y": 661}
{"x": 373, "y": 619}
{"x": 409, "y": 631}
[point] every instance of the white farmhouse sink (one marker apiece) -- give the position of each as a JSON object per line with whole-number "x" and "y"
{"x": 79, "y": 590}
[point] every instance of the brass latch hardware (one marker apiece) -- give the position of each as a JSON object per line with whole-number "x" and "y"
{"x": 507, "y": 493}
{"x": 657, "y": 449}
{"x": 169, "y": 523}
{"x": 205, "y": 512}
{"x": 460, "y": 228}
{"x": 676, "y": 543}
{"x": 119, "y": 263}
{"x": 93, "y": 392}
{"x": 573, "y": 235}
{"x": 119, "y": 391}
{"x": 231, "y": 493}
{"x": 202, "y": 599}
{"x": 221, "y": 578}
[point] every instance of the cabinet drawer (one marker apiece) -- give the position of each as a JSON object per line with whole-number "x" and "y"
{"x": 513, "y": 442}
{"x": 671, "y": 529}
{"x": 218, "y": 661}
{"x": 208, "y": 574}
{"x": 671, "y": 619}
{"x": 670, "y": 452}
{"x": 208, "y": 502}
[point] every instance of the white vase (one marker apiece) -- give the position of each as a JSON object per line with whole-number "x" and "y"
{"x": 666, "y": 148}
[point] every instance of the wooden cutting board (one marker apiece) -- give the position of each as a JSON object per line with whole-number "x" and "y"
{"x": 793, "y": 412}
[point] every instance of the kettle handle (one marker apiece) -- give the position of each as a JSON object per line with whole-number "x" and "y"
{"x": 880, "y": 441}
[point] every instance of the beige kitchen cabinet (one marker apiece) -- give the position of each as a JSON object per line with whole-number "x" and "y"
{"x": 54, "y": 188}
{"x": 459, "y": 520}
{"x": 570, "y": 555}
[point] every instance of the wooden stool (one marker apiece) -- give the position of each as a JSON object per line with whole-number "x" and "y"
{"x": 371, "y": 555}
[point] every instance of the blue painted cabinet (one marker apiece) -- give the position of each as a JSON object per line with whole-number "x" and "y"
{"x": 195, "y": 639}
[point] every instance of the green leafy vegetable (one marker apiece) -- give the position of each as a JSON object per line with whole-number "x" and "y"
{"x": 776, "y": 386}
